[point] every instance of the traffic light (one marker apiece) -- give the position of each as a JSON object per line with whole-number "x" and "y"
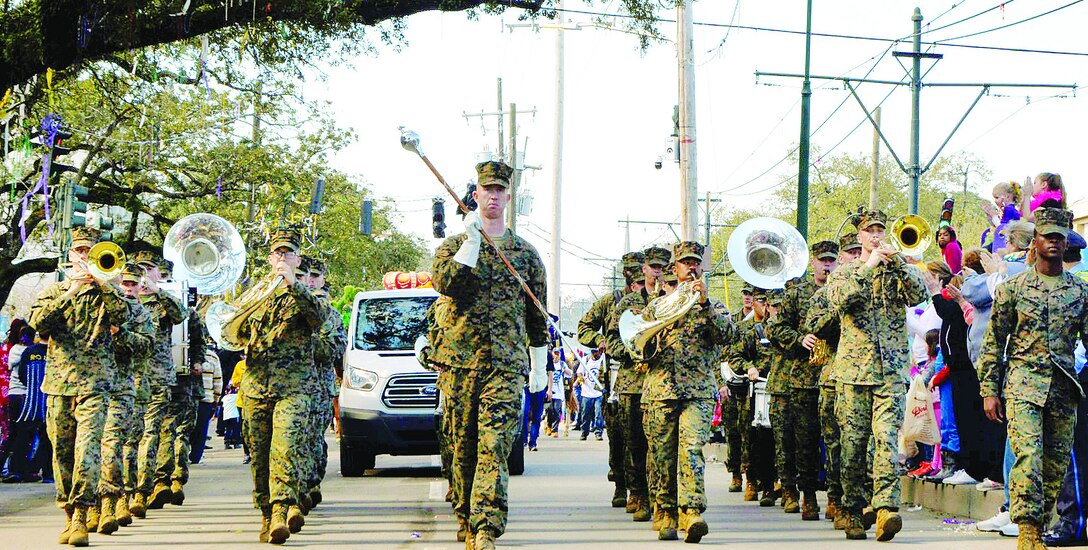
{"x": 78, "y": 205}
{"x": 101, "y": 222}
{"x": 438, "y": 218}
{"x": 366, "y": 217}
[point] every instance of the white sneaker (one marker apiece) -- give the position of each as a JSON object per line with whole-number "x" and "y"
{"x": 989, "y": 485}
{"x": 961, "y": 477}
{"x": 1010, "y": 530}
{"x": 995, "y": 523}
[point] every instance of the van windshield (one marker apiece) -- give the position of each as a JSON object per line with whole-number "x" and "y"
{"x": 391, "y": 324}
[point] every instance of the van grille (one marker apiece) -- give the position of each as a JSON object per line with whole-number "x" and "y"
{"x": 411, "y": 390}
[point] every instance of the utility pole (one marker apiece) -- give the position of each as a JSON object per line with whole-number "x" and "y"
{"x": 874, "y": 167}
{"x": 499, "y": 107}
{"x": 803, "y": 147}
{"x": 251, "y": 208}
{"x": 708, "y": 201}
{"x": 512, "y": 208}
{"x": 689, "y": 185}
{"x": 914, "y": 170}
{"x": 627, "y": 235}
{"x": 554, "y": 294}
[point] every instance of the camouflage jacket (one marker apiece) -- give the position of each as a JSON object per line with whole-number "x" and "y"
{"x": 330, "y": 346}
{"x": 594, "y": 323}
{"x": 166, "y": 311}
{"x": 785, "y": 332}
{"x": 823, "y": 321}
{"x": 436, "y": 319}
{"x": 132, "y": 347}
{"x": 631, "y": 375}
{"x": 873, "y": 334}
{"x": 687, "y": 364}
{"x": 1032, "y": 333}
{"x": 489, "y": 319}
{"x": 80, "y": 358}
{"x": 744, "y": 351}
{"x": 280, "y": 343}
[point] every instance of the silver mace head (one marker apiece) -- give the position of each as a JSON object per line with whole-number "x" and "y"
{"x": 410, "y": 141}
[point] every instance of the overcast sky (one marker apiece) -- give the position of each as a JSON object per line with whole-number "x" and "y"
{"x": 619, "y": 106}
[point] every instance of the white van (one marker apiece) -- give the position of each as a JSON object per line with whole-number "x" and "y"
{"x": 387, "y": 400}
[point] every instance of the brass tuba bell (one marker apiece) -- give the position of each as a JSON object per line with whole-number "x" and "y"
{"x": 105, "y": 261}
{"x": 207, "y": 251}
{"x": 767, "y": 252}
{"x": 910, "y": 235}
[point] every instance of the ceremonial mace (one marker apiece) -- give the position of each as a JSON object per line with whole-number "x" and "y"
{"x": 410, "y": 141}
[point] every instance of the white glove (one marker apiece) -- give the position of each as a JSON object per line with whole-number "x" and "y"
{"x": 469, "y": 252}
{"x": 538, "y": 365}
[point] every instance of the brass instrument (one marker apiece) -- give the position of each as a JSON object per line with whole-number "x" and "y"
{"x": 226, "y": 320}
{"x": 636, "y": 331}
{"x": 910, "y": 235}
{"x": 767, "y": 252}
{"x": 105, "y": 261}
{"x": 820, "y": 354}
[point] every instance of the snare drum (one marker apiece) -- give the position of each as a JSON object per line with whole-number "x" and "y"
{"x": 761, "y": 406}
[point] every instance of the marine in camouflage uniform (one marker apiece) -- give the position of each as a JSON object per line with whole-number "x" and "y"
{"x": 172, "y": 457}
{"x": 629, "y": 382}
{"x": 132, "y": 343}
{"x": 166, "y": 311}
{"x": 799, "y": 421}
{"x": 1027, "y": 358}
{"x": 488, "y": 321}
{"x": 76, "y": 316}
{"x": 435, "y": 320}
{"x": 141, "y": 374}
{"x": 591, "y": 331}
{"x": 278, "y": 381}
{"x": 328, "y": 353}
{"x": 870, "y": 295}
{"x": 735, "y": 408}
{"x": 679, "y": 392}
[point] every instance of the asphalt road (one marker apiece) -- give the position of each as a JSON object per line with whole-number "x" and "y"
{"x": 562, "y": 501}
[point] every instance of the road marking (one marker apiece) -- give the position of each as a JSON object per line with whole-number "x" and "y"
{"x": 438, "y": 490}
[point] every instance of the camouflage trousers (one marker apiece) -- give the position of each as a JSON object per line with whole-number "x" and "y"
{"x": 276, "y": 432}
{"x": 74, "y": 425}
{"x": 802, "y": 428}
{"x": 154, "y": 413}
{"x": 1041, "y": 438}
{"x": 317, "y": 459}
{"x": 737, "y": 424}
{"x": 864, "y": 412}
{"x": 616, "y": 445}
{"x": 119, "y": 428}
{"x": 130, "y": 446}
{"x": 785, "y": 448}
{"x": 442, "y": 427}
{"x": 677, "y": 429}
{"x": 635, "y": 449}
{"x": 172, "y": 457}
{"x": 483, "y": 409}
{"x": 829, "y": 430}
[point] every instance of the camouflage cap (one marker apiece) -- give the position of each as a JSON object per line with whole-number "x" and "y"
{"x": 166, "y": 266}
{"x": 493, "y": 172}
{"x": 317, "y": 267}
{"x": 825, "y": 250}
{"x": 687, "y": 249}
{"x": 655, "y": 255}
{"x": 758, "y": 292}
{"x": 1053, "y": 220}
{"x": 872, "y": 217}
{"x": 147, "y": 258}
{"x": 668, "y": 275}
{"x": 849, "y": 241}
{"x": 774, "y": 296}
{"x": 748, "y": 289}
{"x": 132, "y": 273}
{"x": 85, "y": 236}
{"x": 637, "y": 276}
{"x": 633, "y": 259}
{"x": 304, "y": 264}
{"x": 286, "y": 237}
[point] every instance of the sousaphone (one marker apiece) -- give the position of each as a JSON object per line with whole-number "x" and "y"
{"x": 767, "y": 252}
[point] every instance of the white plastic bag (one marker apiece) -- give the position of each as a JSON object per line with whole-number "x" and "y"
{"x": 919, "y": 420}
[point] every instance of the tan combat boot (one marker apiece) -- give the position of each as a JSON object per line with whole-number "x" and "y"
{"x": 632, "y": 503}
{"x": 669, "y": 523}
{"x": 295, "y": 519}
{"x": 735, "y": 485}
{"x": 810, "y": 509}
{"x": 107, "y": 523}
{"x": 121, "y": 511}
{"x": 750, "y": 492}
{"x": 63, "y": 539}
{"x": 462, "y": 529}
{"x": 484, "y": 540}
{"x": 278, "y": 532}
{"x": 138, "y": 508}
{"x": 789, "y": 501}
{"x": 868, "y": 517}
{"x": 854, "y": 528}
{"x": 842, "y": 519}
{"x": 888, "y": 523}
{"x": 266, "y": 524}
{"x": 77, "y": 534}
{"x": 832, "y": 510}
{"x": 642, "y": 513}
{"x": 91, "y": 519}
{"x": 659, "y": 518}
{"x": 177, "y": 493}
{"x": 160, "y": 495}
{"x": 305, "y": 503}
{"x": 693, "y": 525}
{"x": 1030, "y": 537}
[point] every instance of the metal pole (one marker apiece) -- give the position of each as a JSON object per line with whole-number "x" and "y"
{"x": 501, "y": 143}
{"x": 915, "y": 96}
{"x": 874, "y": 167}
{"x": 627, "y": 236}
{"x": 803, "y": 148}
{"x": 512, "y": 208}
{"x": 554, "y": 296}
{"x": 708, "y": 219}
{"x": 688, "y": 159}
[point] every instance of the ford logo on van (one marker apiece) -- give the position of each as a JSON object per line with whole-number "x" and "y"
{"x": 429, "y": 389}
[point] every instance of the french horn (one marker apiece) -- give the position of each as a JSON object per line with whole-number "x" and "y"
{"x": 767, "y": 252}
{"x": 225, "y": 321}
{"x": 637, "y": 329}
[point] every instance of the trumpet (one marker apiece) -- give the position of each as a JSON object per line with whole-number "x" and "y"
{"x": 104, "y": 261}
{"x": 910, "y": 235}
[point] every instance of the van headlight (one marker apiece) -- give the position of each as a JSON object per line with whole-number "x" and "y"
{"x": 362, "y": 380}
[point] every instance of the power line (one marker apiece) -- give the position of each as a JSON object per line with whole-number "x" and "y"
{"x": 968, "y": 18}
{"x": 1074, "y": 2}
